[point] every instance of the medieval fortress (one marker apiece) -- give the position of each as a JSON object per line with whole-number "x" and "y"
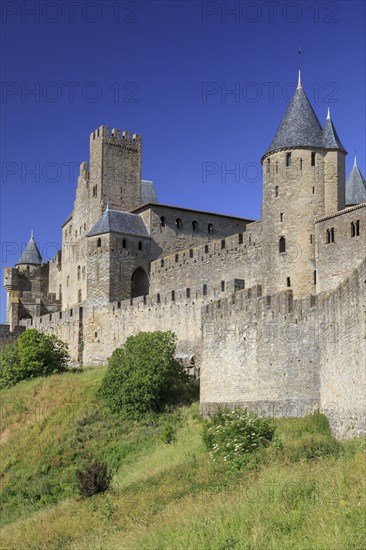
{"x": 271, "y": 313}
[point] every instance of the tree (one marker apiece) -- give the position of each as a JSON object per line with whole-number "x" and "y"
{"x": 33, "y": 354}
{"x": 145, "y": 376}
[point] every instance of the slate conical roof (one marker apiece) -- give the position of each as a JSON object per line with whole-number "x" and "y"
{"x": 300, "y": 126}
{"x": 116, "y": 221}
{"x": 30, "y": 255}
{"x": 330, "y": 136}
{"x": 355, "y": 187}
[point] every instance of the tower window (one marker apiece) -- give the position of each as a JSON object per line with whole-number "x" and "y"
{"x": 282, "y": 245}
{"x": 210, "y": 228}
{"x": 314, "y": 277}
{"x": 313, "y": 157}
{"x": 162, "y": 221}
{"x": 206, "y": 248}
{"x": 99, "y": 243}
{"x": 188, "y": 292}
{"x": 158, "y": 298}
{"x": 300, "y": 164}
{"x": 204, "y": 290}
{"x": 288, "y": 159}
{"x": 140, "y": 245}
{"x": 176, "y": 258}
{"x": 355, "y": 229}
{"x": 288, "y": 281}
{"x": 173, "y": 295}
{"x": 178, "y": 223}
{"x": 223, "y": 243}
{"x": 222, "y": 286}
{"x": 281, "y": 217}
{"x": 161, "y": 263}
{"x": 276, "y": 191}
{"x": 194, "y": 226}
{"x": 329, "y": 235}
{"x": 79, "y": 269}
{"x": 124, "y": 243}
{"x": 313, "y": 190}
{"x": 240, "y": 238}
{"x": 95, "y": 190}
{"x": 276, "y": 166}
{"x": 191, "y": 253}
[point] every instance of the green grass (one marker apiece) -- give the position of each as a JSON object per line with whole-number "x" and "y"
{"x": 306, "y": 492}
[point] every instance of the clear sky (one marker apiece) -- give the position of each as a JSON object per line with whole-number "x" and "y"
{"x": 205, "y": 83}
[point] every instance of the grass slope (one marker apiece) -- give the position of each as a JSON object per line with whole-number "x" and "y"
{"x": 308, "y": 493}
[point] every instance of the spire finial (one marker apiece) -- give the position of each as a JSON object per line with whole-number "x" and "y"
{"x": 355, "y": 162}
{"x": 328, "y": 114}
{"x": 107, "y": 207}
{"x": 32, "y": 234}
{"x": 299, "y": 77}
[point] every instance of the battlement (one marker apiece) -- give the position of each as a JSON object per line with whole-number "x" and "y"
{"x": 115, "y": 135}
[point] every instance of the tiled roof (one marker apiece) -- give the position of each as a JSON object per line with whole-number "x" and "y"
{"x": 30, "y": 255}
{"x": 355, "y": 187}
{"x": 148, "y": 193}
{"x": 115, "y": 221}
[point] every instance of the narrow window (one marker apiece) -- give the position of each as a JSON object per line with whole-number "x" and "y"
{"x": 59, "y": 292}
{"x": 176, "y": 258}
{"x": 79, "y": 270}
{"x": 357, "y": 228}
{"x": 314, "y": 277}
{"x": 161, "y": 263}
{"x": 281, "y": 217}
{"x": 76, "y": 233}
{"x": 124, "y": 243}
{"x": 191, "y": 252}
{"x": 173, "y": 295}
{"x": 223, "y": 243}
{"x": 282, "y": 245}
{"x": 276, "y": 166}
{"x": 313, "y": 159}
{"x": 353, "y": 229}
{"x": 206, "y": 248}
{"x": 71, "y": 312}
{"x": 99, "y": 243}
{"x": 332, "y": 235}
{"x": 118, "y": 305}
{"x": 240, "y": 238}
{"x": 140, "y": 245}
{"x": 288, "y": 159}
{"x": 300, "y": 164}
{"x": 204, "y": 289}
{"x": 79, "y": 296}
{"x": 327, "y": 236}
{"x": 84, "y": 226}
{"x": 162, "y": 221}
{"x": 276, "y": 191}
{"x": 158, "y": 298}
{"x": 194, "y": 226}
{"x": 268, "y": 165}
{"x": 60, "y": 315}
{"x": 313, "y": 190}
{"x": 210, "y": 228}
{"x": 311, "y": 239}
{"x": 288, "y": 281}
{"x": 178, "y": 223}
{"x": 222, "y": 286}
{"x": 188, "y": 292}
{"x": 67, "y": 280}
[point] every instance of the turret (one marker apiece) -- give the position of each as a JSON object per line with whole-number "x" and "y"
{"x": 355, "y": 186}
{"x": 302, "y": 180}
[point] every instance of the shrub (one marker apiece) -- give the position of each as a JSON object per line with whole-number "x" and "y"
{"x": 145, "y": 377}
{"x": 33, "y": 354}
{"x": 234, "y": 435}
{"x": 93, "y": 479}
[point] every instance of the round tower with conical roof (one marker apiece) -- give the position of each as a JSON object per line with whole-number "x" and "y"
{"x": 303, "y": 179}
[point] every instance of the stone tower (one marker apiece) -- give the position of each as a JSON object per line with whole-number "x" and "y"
{"x": 303, "y": 179}
{"x": 115, "y": 170}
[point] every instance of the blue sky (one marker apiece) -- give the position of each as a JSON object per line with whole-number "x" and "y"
{"x": 165, "y": 70}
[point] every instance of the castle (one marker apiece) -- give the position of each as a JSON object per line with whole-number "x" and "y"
{"x": 270, "y": 313}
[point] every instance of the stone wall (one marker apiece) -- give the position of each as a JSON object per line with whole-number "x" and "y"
{"x": 336, "y": 260}
{"x": 288, "y": 357}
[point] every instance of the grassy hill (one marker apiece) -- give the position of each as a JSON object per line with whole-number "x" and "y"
{"x": 306, "y": 492}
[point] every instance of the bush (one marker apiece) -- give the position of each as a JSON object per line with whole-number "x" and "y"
{"x": 234, "y": 435}
{"x": 311, "y": 446}
{"x": 145, "y": 377}
{"x": 33, "y": 354}
{"x": 93, "y": 479}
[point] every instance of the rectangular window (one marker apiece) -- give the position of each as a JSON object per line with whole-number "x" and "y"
{"x": 276, "y": 191}
{"x": 314, "y": 278}
{"x": 223, "y": 243}
{"x": 188, "y": 292}
{"x": 158, "y": 298}
{"x": 240, "y": 238}
{"x": 173, "y": 295}
{"x": 288, "y": 159}
{"x": 204, "y": 290}
{"x": 190, "y": 253}
{"x": 222, "y": 286}
{"x": 288, "y": 281}
{"x": 206, "y": 248}
{"x": 281, "y": 217}
{"x": 313, "y": 157}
